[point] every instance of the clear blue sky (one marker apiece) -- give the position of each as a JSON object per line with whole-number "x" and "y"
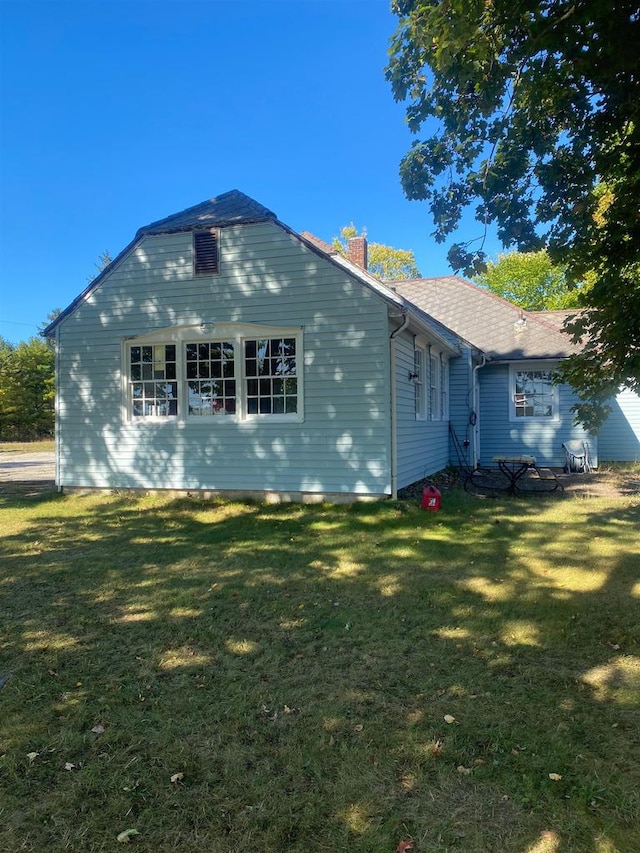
{"x": 115, "y": 114}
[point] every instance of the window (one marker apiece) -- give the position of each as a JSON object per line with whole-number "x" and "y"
{"x": 271, "y": 376}
{"x": 205, "y": 252}
{"x": 211, "y": 384}
{"x": 533, "y": 394}
{"x": 153, "y": 385}
{"x": 223, "y": 375}
{"x": 417, "y": 377}
{"x": 434, "y": 388}
{"x": 444, "y": 385}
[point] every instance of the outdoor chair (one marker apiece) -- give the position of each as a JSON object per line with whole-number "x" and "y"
{"x": 576, "y": 453}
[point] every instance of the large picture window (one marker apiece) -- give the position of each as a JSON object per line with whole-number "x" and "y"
{"x": 533, "y": 394}
{"x": 232, "y": 376}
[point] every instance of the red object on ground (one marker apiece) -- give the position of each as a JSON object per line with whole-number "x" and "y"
{"x": 430, "y": 498}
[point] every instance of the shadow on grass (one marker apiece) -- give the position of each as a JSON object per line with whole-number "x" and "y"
{"x": 315, "y": 653}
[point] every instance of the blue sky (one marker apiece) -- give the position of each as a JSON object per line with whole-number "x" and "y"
{"x": 115, "y": 114}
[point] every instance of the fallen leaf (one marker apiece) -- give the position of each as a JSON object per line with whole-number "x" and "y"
{"x": 465, "y": 771}
{"x": 32, "y": 755}
{"x": 358, "y": 728}
{"x": 177, "y": 777}
{"x": 555, "y": 777}
{"x": 126, "y": 836}
{"x": 69, "y": 766}
{"x": 403, "y": 846}
{"x": 98, "y": 730}
{"x": 478, "y": 762}
{"x": 449, "y": 719}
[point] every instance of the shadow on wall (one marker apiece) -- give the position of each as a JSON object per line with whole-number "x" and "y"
{"x": 341, "y": 446}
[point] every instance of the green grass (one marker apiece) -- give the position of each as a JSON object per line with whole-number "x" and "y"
{"x": 296, "y": 665}
{"x": 45, "y": 444}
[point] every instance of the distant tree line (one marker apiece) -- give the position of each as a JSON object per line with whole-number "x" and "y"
{"x": 27, "y": 390}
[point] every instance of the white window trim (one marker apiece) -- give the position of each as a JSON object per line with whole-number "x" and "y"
{"x": 238, "y": 333}
{"x": 419, "y": 379}
{"x": 444, "y": 388}
{"x": 434, "y": 386}
{"x": 518, "y": 366}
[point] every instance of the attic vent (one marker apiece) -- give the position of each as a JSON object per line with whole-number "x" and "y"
{"x": 205, "y": 252}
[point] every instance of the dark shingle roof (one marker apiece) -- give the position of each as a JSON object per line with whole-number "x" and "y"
{"x": 487, "y": 322}
{"x": 231, "y": 208}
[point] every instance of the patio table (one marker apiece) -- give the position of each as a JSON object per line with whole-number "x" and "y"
{"x": 514, "y": 467}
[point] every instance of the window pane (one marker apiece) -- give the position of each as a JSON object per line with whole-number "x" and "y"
{"x": 208, "y": 395}
{"x": 533, "y": 397}
{"x": 271, "y": 359}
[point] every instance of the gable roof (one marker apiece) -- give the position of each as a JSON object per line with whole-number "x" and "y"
{"x": 496, "y": 327}
{"x": 236, "y": 208}
{"x": 230, "y": 208}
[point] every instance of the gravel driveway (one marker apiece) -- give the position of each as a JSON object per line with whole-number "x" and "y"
{"x": 26, "y": 467}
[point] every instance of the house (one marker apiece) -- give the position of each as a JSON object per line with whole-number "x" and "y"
{"x": 506, "y": 402}
{"x": 222, "y": 352}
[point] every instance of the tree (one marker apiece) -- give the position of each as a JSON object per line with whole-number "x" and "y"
{"x": 51, "y": 316}
{"x": 530, "y": 280}
{"x": 537, "y": 111}
{"x": 104, "y": 259}
{"x": 27, "y": 390}
{"x": 385, "y": 262}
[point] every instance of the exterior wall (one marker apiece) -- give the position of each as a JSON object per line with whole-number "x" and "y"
{"x": 423, "y": 445}
{"x": 461, "y": 409}
{"x": 500, "y": 436}
{"x": 619, "y": 438}
{"x": 266, "y": 276}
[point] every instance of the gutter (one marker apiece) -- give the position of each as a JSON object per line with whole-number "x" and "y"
{"x": 393, "y": 403}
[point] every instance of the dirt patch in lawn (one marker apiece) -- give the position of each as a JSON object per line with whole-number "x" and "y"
{"x": 610, "y": 482}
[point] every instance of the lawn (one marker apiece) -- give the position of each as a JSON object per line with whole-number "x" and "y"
{"x": 42, "y": 445}
{"x": 245, "y": 677}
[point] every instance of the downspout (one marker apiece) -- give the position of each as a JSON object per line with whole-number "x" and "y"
{"x": 476, "y": 399}
{"x": 394, "y": 420}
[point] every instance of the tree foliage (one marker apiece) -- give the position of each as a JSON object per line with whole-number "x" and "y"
{"x": 51, "y": 316}
{"x": 27, "y": 390}
{"x": 385, "y": 262}
{"x": 104, "y": 259}
{"x": 530, "y": 280}
{"x": 533, "y": 115}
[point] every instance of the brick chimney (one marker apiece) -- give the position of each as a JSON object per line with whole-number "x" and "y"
{"x": 357, "y": 251}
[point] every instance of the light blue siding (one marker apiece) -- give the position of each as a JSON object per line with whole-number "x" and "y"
{"x": 619, "y": 438}
{"x": 423, "y": 445}
{"x": 267, "y": 277}
{"x": 500, "y": 436}
{"x": 461, "y": 409}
